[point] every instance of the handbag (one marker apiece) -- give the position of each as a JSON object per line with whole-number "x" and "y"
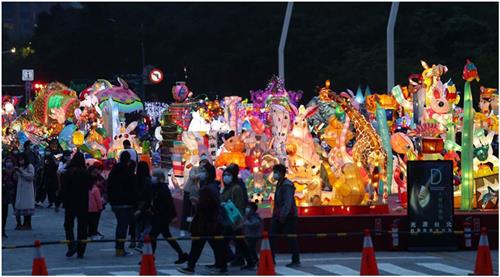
{"x": 231, "y": 212}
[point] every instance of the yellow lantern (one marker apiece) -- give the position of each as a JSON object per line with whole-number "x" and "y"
{"x": 78, "y": 138}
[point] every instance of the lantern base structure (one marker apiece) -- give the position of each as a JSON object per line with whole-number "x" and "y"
{"x": 379, "y": 219}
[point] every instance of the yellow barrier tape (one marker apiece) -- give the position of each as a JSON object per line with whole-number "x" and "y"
{"x": 219, "y": 237}
{"x": 341, "y": 234}
{"x": 291, "y": 235}
{"x": 321, "y": 235}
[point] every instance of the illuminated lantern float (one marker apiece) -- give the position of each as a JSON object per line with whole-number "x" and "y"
{"x": 115, "y": 102}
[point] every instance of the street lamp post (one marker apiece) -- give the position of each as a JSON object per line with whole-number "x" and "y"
{"x": 390, "y": 45}
{"x": 281, "y": 48}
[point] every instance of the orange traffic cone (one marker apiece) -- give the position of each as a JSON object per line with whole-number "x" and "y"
{"x": 147, "y": 263}
{"x": 484, "y": 266}
{"x": 266, "y": 263}
{"x": 39, "y": 265}
{"x": 368, "y": 261}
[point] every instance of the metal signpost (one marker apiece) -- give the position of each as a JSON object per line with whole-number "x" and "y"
{"x": 28, "y": 75}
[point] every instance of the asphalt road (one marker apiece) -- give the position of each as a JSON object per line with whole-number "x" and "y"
{"x": 100, "y": 260}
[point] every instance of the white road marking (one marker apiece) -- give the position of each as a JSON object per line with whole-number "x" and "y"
{"x": 338, "y": 269}
{"x": 359, "y": 258}
{"x": 283, "y": 270}
{"x": 124, "y": 273}
{"x": 170, "y": 272}
{"x": 107, "y": 249}
{"x": 397, "y": 270}
{"x": 446, "y": 268}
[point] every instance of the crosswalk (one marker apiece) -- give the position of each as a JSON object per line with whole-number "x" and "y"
{"x": 307, "y": 269}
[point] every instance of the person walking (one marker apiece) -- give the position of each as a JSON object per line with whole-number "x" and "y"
{"x": 9, "y": 186}
{"x": 25, "y": 193}
{"x": 233, "y": 193}
{"x": 190, "y": 189}
{"x": 96, "y": 204}
{"x": 252, "y": 227}
{"x": 121, "y": 196}
{"x": 207, "y": 222}
{"x": 76, "y": 183}
{"x": 284, "y": 218}
{"x": 163, "y": 212}
{"x": 238, "y": 257}
{"x": 144, "y": 194}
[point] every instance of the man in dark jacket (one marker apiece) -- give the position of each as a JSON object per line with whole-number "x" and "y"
{"x": 285, "y": 214}
{"x": 163, "y": 212}
{"x": 121, "y": 196}
{"x": 75, "y": 185}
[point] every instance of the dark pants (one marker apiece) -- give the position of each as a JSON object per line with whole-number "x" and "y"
{"x": 217, "y": 246}
{"x": 81, "y": 234}
{"x": 241, "y": 247}
{"x": 5, "y": 214}
{"x": 197, "y": 247}
{"x": 289, "y": 227}
{"x": 27, "y": 220}
{"x": 252, "y": 248}
{"x": 163, "y": 228}
{"x": 123, "y": 216}
{"x": 187, "y": 211}
{"x": 94, "y": 223}
{"x": 51, "y": 192}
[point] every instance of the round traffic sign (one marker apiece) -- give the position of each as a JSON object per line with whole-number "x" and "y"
{"x": 155, "y": 76}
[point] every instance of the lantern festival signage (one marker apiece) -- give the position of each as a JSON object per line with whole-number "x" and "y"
{"x": 430, "y": 204}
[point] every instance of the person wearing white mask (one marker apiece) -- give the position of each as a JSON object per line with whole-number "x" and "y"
{"x": 284, "y": 219}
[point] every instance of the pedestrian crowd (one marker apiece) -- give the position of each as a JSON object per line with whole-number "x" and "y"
{"x": 142, "y": 203}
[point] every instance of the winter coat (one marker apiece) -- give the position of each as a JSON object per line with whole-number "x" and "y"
{"x": 284, "y": 200}
{"x": 75, "y": 186}
{"x": 163, "y": 207}
{"x": 121, "y": 186}
{"x": 95, "y": 200}
{"x": 252, "y": 226}
{"x": 9, "y": 186}
{"x": 207, "y": 217}
{"x": 25, "y": 195}
{"x": 236, "y": 195}
{"x": 50, "y": 179}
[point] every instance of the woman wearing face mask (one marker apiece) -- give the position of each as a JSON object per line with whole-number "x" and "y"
{"x": 233, "y": 192}
{"x": 207, "y": 221}
{"x": 25, "y": 193}
{"x": 9, "y": 181}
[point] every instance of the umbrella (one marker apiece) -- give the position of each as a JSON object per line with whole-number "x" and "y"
{"x": 126, "y": 100}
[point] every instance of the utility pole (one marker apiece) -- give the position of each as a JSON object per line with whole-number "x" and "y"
{"x": 390, "y": 45}
{"x": 281, "y": 48}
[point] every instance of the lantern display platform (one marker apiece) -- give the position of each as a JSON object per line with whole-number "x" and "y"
{"x": 379, "y": 219}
